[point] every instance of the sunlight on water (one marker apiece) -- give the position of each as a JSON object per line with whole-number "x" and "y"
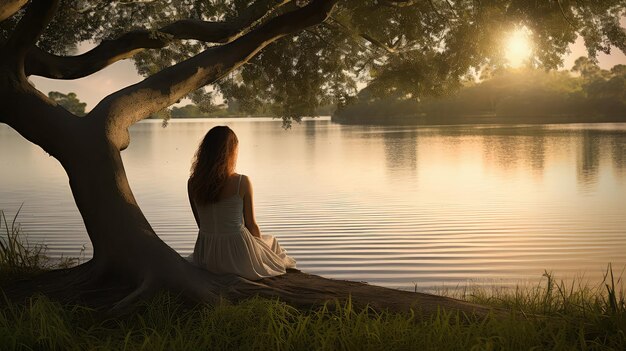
{"x": 395, "y": 206}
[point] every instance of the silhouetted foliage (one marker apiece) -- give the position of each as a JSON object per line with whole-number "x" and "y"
{"x": 588, "y": 93}
{"x": 69, "y": 101}
{"x": 189, "y": 110}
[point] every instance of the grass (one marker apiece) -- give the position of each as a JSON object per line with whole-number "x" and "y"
{"x": 550, "y": 316}
{"x": 17, "y": 255}
{"x": 165, "y": 323}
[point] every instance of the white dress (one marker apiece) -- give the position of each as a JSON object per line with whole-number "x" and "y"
{"x": 225, "y": 245}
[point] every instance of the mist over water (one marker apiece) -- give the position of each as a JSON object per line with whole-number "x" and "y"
{"x": 395, "y": 206}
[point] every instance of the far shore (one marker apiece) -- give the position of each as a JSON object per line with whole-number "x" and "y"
{"x": 422, "y": 120}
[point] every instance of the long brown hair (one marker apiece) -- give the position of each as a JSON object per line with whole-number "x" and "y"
{"x": 213, "y": 163}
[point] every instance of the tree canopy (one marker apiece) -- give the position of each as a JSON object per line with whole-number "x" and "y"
{"x": 409, "y": 48}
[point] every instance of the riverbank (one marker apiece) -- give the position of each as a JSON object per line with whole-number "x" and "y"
{"x": 299, "y": 311}
{"x": 550, "y": 316}
{"x": 422, "y": 120}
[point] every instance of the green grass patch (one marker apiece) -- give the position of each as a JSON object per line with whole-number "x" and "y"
{"x": 165, "y": 323}
{"x": 19, "y": 258}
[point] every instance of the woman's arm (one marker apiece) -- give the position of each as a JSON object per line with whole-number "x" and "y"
{"x": 193, "y": 206}
{"x": 248, "y": 208}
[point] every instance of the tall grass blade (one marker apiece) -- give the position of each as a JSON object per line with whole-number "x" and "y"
{"x": 16, "y": 253}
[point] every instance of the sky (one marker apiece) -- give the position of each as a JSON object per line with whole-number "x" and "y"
{"x": 94, "y": 88}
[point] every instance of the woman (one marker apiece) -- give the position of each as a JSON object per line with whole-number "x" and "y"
{"x": 229, "y": 240}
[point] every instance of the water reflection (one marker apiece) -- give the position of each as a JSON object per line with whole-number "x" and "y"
{"x": 310, "y": 129}
{"x": 311, "y": 139}
{"x": 536, "y": 153}
{"x": 618, "y": 156}
{"x": 588, "y": 161}
{"x": 509, "y": 150}
{"x": 401, "y": 152}
{"x": 503, "y": 152}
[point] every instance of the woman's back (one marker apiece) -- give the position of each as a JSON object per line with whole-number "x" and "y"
{"x": 225, "y": 245}
{"x": 225, "y": 216}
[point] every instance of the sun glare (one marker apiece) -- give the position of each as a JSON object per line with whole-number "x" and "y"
{"x": 518, "y": 47}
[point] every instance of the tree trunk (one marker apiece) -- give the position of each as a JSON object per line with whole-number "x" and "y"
{"x": 127, "y": 251}
{"x": 123, "y": 240}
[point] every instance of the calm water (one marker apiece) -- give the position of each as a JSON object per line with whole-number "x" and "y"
{"x": 395, "y": 206}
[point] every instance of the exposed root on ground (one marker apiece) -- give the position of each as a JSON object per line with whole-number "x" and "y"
{"x": 145, "y": 290}
{"x": 89, "y": 285}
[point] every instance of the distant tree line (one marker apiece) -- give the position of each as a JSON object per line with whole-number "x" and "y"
{"x": 231, "y": 109}
{"x": 193, "y": 110}
{"x": 586, "y": 94}
{"x": 71, "y": 103}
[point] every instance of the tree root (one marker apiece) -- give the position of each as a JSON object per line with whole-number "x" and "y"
{"x": 90, "y": 285}
{"x": 146, "y": 289}
{"x": 86, "y": 283}
{"x": 306, "y": 290}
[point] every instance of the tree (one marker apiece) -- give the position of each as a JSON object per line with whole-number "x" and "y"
{"x": 604, "y": 92}
{"x": 188, "y": 110}
{"x": 407, "y": 47}
{"x": 588, "y": 69}
{"x": 70, "y": 102}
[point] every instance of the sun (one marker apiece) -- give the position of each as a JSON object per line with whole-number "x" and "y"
{"x": 518, "y": 47}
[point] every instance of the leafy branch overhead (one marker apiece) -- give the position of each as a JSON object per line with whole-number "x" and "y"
{"x": 406, "y": 48}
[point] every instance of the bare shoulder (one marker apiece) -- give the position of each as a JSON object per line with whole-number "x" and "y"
{"x": 246, "y": 184}
{"x": 245, "y": 180}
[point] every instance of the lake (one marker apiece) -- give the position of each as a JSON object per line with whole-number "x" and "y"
{"x": 405, "y": 207}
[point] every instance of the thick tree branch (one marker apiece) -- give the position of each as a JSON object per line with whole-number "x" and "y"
{"x": 27, "y": 31}
{"x": 9, "y": 7}
{"x": 134, "y": 103}
{"x": 41, "y": 63}
{"x": 38, "y": 119}
{"x": 26, "y": 110}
